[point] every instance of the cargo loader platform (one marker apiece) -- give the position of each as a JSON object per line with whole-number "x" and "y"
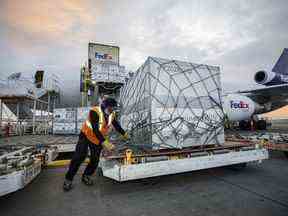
{"x": 130, "y": 167}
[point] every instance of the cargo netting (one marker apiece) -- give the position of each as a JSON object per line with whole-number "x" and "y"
{"x": 173, "y": 104}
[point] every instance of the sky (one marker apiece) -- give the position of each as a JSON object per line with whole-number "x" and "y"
{"x": 241, "y": 37}
{"x": 277, "y": 114}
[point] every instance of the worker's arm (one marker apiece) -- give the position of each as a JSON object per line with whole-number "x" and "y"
{"x": 94, "y": 118}
{"x": 118, "y": 127}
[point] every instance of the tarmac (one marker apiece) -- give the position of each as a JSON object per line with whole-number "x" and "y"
{"x": 259, "y": 189}
{"x": 33, "y": 140}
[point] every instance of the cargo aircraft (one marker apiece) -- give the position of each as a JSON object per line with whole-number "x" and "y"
{"x": 243, "y": 105}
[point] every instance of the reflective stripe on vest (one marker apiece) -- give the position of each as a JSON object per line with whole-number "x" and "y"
{"x": 88, "y": 123}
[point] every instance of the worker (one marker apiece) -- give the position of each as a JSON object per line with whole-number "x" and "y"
{"x": 94, "y": 134}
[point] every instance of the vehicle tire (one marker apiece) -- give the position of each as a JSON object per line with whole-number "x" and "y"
{"x": 261, "y": 125}
{"x": 244, "y": 125}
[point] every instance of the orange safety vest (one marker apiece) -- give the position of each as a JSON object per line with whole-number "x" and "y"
{"x": 104, "y": 128}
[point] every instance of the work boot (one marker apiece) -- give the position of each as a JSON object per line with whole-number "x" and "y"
{"x": 87, "y": 180}
{"x": 67, "y": 185}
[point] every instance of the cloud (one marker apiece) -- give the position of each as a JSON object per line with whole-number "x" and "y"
{"x": 239, "y": 36}
{"x": 38, "y": 24}
{"x": 49, "y": 19}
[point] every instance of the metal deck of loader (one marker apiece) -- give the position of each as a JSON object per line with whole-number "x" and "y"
{"x": 179, "y": 161}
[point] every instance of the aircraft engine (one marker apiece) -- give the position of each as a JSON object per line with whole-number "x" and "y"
{"x": 270, "y": 78}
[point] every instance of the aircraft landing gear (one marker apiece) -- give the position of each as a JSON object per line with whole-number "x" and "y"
{"x": 261, "y": 125}
{"x": 258, "y": 125}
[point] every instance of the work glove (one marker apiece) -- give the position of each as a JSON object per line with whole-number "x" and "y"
{"x": 107, "y": 145}
{"x": 125, "y": 136}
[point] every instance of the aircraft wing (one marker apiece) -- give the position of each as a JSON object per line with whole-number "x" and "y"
{"x": 276, "y": 95}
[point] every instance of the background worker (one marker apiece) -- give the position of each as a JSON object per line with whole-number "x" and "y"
{"x": 93, "y": 135}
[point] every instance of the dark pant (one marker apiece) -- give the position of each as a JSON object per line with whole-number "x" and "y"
{"x": 80, "y": 155}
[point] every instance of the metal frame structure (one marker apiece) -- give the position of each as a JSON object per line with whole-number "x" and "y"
{"x": 29, "y": 113}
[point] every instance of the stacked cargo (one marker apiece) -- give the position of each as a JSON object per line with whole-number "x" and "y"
{"x": 64, "y": 121}
{"x": 104, "y": 63}
{"x": 18, "y": 167}
{"x": 103, "y": 72}
{"x": 173, "y": 104}
{"x": 82, "y": 113}
{"x": 173, "y": 111}
{"x": 69, "y": 120}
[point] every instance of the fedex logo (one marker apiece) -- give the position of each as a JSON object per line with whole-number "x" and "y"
{"x": 104, "y": 56}
{"x": 239, "y": 104}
